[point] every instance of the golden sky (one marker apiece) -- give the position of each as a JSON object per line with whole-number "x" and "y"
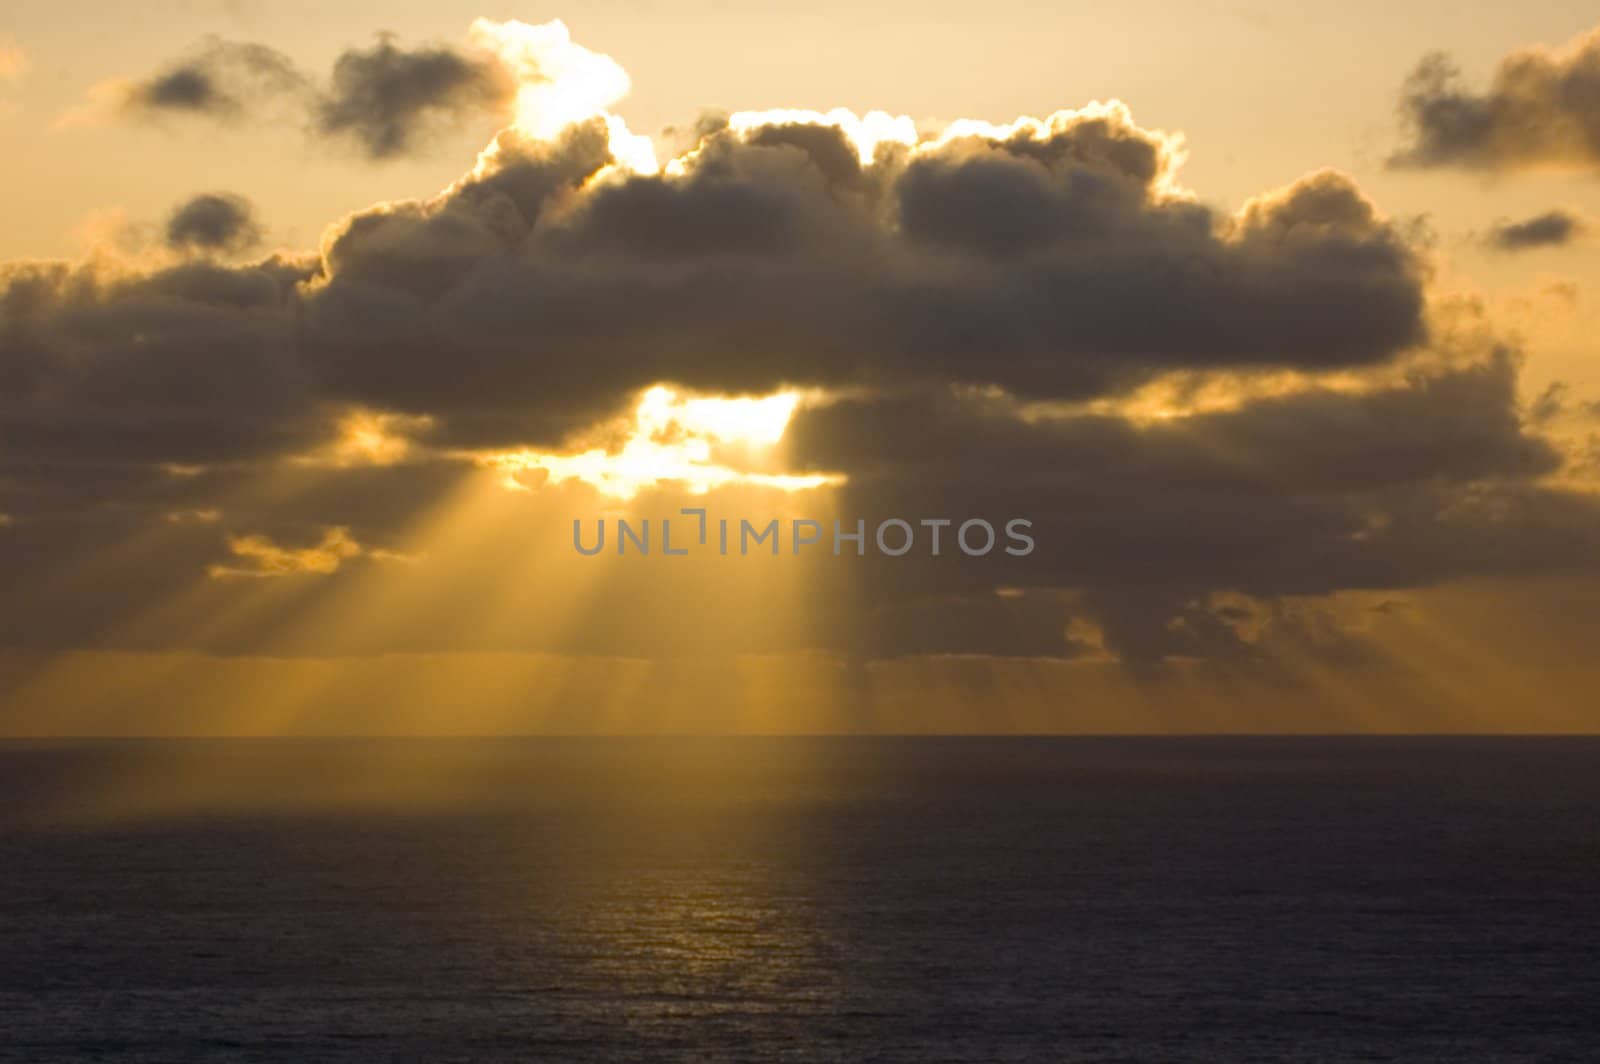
{"x": 321, "y": 328}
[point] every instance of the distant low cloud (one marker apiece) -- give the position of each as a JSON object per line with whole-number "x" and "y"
{"x": 213, "y": 222}
{"x": 1550, "y": 229}
{"x": 1541, "y": 109}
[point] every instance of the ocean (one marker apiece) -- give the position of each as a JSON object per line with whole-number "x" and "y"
{"x": 829, "y": 899}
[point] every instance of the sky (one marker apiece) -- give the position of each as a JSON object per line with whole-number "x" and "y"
{"x": 324, "y": 327}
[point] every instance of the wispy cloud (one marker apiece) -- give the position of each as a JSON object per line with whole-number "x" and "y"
{"x": 1541, "y": 109}
{"x": 1553, "y": 228}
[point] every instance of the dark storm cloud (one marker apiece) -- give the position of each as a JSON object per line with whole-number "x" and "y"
{"x": 385, "y": 100}
{"x": 386, "y": 97}
{"x": 1435, "y": 478}
{"x": 192, "y": 363}
{"x": 1053, "y": 263}
{"x": 215, "y": 221}
{"x": 1057, "y": 262}
{"x": 1542, "y": 108}
{"x": 528, "y": 300}
{"x": 1458, "y": 425}
{"x": 1550, "y": 229}
{"x": 769, "y": 261}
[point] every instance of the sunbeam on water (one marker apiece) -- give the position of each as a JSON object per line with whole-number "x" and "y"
{"x": 894, "y": 900}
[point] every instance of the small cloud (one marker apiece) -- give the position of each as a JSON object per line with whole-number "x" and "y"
{"x": 194, "y": 517}
{"x": 103, "y": 105}
{"x": 261, "y": 557}
{"x": 109, "y": 233}
{"x": 386, "y": 98}
{"x": 399, "y": 557}
{"x": 1553, "y": 228}
{"x": 220, "y": 80}
{"x": 1562, "y": 289}
{"x": 1550, "y": 403}
{"x": 213, "y": 222}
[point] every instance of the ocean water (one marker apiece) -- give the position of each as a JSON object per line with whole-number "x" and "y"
{"x": 1061, "y": 900}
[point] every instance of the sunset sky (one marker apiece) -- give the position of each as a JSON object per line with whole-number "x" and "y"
{"x": 320, "y": 326}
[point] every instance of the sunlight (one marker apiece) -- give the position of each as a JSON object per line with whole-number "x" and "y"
{"x": 561, "y": 83}
{"x": 674, "y": 438}
{"x": 866, "y": 131}
{"x": 372, "y": 437}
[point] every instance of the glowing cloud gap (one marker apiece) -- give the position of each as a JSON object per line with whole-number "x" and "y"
{"x": 676, "y": 439}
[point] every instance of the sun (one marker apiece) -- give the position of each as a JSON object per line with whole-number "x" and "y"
{"x": 694, "y": 442}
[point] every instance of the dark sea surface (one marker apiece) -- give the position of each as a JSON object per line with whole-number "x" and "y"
{"x": 859, "y": 900}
